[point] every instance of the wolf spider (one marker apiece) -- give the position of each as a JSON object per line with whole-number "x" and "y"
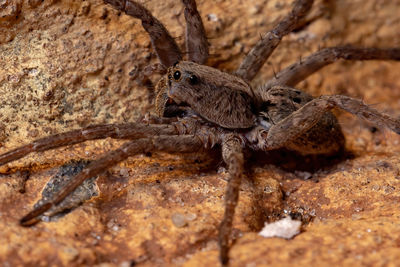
{"x": 200, "y": 107}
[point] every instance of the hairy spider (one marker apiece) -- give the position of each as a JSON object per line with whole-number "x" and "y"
{"x": 200, "y": 107}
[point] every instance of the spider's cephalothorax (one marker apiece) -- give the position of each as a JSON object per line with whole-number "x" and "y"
{"x": 194, "y": 85}
{"x": 202, "y": 106}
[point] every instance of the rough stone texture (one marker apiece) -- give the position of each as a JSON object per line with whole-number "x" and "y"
{"x": 67, "y": 64}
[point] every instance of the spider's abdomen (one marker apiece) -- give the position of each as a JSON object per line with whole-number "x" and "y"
{"x": 325, "y": 137}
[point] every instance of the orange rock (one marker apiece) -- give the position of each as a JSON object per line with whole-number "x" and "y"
{"x": 67, "y": 64}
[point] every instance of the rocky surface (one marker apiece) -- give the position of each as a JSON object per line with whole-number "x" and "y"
{"x": 68, "y": 64}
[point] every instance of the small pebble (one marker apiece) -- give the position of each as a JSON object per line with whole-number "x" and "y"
{"x": 110, "y": 224}
{"x": 221, "y": 170}
{"x": 124, "y": 172}
{"x": 212, "y": 17}
{"x": 191, "y": 217}
{"x": 179, "y": 220}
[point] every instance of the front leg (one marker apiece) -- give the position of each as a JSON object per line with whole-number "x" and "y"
{"x": 196, "y": 39}
{"x": 233, "y": 156}
{"x": 117, "y": 131}
{"x": 163, "y": 43}
{"x": 183, "y": 143}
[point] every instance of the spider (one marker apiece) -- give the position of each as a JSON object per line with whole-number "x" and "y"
{"x": 200, "y": 107}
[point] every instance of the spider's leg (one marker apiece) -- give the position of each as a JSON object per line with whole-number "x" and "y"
{"x": 300, "y": 121}
{"x": 165, "y": 46}
{"x": 118, "y": 131}
{"x": 299, "y": 71}
{"x": 196, "y": 39}
{"x": 257, "y": 56}
{"x": 233, "y": 156}
{"x": 184, "y": 143}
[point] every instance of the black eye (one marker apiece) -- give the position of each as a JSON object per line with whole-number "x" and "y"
{"x": 177, "y": 75}
{"x": 193, "y": 79}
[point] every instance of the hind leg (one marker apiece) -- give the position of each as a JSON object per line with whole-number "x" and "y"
{"x": 301, "y": 121}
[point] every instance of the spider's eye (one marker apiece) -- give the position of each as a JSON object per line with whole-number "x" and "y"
{"x": 193, "y": 79}
{"x": 177, "y": 75}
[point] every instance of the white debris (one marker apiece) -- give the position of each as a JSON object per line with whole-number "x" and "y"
{"x": 284, "y": 228}
{"x": 212, "y": 17}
